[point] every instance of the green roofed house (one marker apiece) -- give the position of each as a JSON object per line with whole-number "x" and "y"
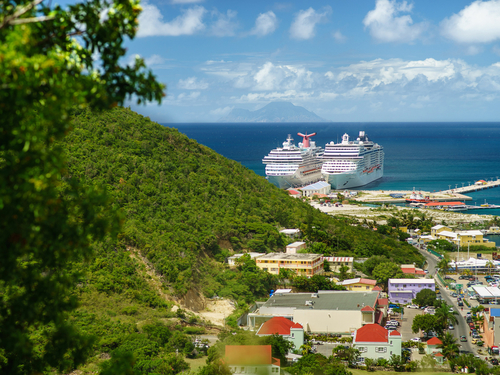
{"x": 323, "y": 312}
{"x": 251, "y": 359}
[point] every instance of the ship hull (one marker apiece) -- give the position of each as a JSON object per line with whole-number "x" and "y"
{"x": 295, "y": 180}
{"x": 340, "y": 181}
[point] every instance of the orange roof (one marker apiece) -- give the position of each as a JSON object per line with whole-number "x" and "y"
{"x": 320, "y": 195}
{"x": 367, "y": 308}
{"x": 438, "y": 354}
{"x": 371, "y": 333}
{"x": 277, "y": 325}
{"x": 408, "y": 270}
{"x": 293, "y": 192}
{"x": 382, "y": 301}
{"x": 394, "y": 333}
{"x": 420, "y": 272}
{"x": 430, "y": 204}
{"x": 434, "y": 341}
{"x": 248, "y": 355}
{"x": 377, "y": 289}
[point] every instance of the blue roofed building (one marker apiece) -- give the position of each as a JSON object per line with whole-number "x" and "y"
{"x": 320, "y": 187}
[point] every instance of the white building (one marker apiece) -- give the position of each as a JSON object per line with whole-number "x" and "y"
{"x": 232, "y": 259}
{"x": 295, "y": 246}
{"x": 320, "y": 187}
{"x": 374, "y": 341}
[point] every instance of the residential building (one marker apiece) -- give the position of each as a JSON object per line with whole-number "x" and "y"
{"x": 359, "y": 284}
{"x": 318, "y": 188}
{"x": 434, "y": 350}
{"x": 410, "y": 269}
{"x": 337, "y": 262}
{"x": 376, "y": 342}
{"x": 303, "y": 264}
{"x": 294, "y": 247}
{"x": 465, "y": 238}
{"x": 251, "y": 359}
{"x": 327, "y": 311}
{"x": 293, "y": 332}
{"x": 405, "y": 290}
{"x": 436, "y": 229}
{"x": 232, "y": 259}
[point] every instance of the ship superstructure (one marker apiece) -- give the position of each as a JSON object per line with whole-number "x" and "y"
{"x": 294, "y": 166}
{"x": 352, "y": 164}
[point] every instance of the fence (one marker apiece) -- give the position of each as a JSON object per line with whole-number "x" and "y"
{"x": 435, "y": 253}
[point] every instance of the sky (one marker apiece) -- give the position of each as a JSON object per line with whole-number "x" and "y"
{"x": 359, "y": 61}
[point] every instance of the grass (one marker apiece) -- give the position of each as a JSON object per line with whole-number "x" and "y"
{"x": 195, "y": 364}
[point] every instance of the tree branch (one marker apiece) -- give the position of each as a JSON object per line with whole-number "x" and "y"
{"x": 11, "y": 19}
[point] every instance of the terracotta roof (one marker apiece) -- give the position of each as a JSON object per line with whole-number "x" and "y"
{"x": 367, "y": 308}
{"x": 434, "y": 341}
{"x": 377, "y": 289}
{"x": 378, "y": 316}
{"x": 248, "y": 355}
{"x": 408, "y": 270}
{"x": 431, "y": 204}
{"x": 359, "y": 281}
{"x": 420, "y": 272}
{"x": 277, "y": 325}
{"x": 438, "y": 354}
{"x": 382, "y": 301}
{"x": 371, "y": 333}
{"x": 394, "y": 333}
{"x": 293, "y": 192}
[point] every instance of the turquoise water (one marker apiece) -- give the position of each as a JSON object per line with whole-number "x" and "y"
{"x": 426, "y": 156}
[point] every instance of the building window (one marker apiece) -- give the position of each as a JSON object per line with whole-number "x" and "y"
{"x": 362, "y": 349}
{"x": 380, "y": 349}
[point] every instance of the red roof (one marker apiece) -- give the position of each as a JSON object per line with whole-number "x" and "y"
{"x": 377, "y": 289}
{"x": 430, "y": 204}
{"x": 248, "y": 355}
{"x": 420, "y": 272}
{"x": 408, "y": 270}
{"x": 382, "y": 301}
{"x": 367, "y": 308}
{"x": 438, "y": 354}
{"x": 434, "y": 341}
{"x": 394, "y": 333}
{"x": 277, "y": 325}
{"x": 371, "y": 333}
{"x": 378, "y": 316}
{"x": 293, "y": 192}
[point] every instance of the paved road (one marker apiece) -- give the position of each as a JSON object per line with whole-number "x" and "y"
{"x": 461, "y": 328}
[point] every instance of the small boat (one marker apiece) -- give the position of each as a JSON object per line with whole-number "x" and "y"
{"x": 418, "y": 198}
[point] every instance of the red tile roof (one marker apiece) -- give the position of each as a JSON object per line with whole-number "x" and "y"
{"x": 434, "y": 341}
{"x": 277, "y": 325}
{"x": 382, "y": 301}
{"x": 293, "y": 192}
{"x": 368, "y": 281}
{"x": 408, "y": 270}
{"x": 377, "y": 289}
{"x": 394, "y": 333}
{"x": 420, "y": 272}
{"x": 378, "y": 316}
{"x": 371, "y": 333}
{"x": 438, "y": 354}
{"x": 367, "y": 308}
{"x": 248, "y": 355}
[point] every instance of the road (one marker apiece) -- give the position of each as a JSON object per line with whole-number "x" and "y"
{"x": 461, "y": 329}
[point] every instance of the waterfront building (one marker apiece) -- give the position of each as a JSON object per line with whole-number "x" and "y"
{"x": 405, "y": 290}
{"x": 318, "y": 188}
{"x": 376, "y": 342}
{"x": 339, "y": 312}
{"x": 302, "y": 264}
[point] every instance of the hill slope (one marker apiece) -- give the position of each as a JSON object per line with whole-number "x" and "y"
{"x": 273, "y": 112}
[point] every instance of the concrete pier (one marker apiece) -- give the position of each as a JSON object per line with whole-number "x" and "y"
{"x": 471, "y": 188}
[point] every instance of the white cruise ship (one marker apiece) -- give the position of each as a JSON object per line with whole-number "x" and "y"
{"x": 292, "y": 166}
{"x": 352, "y": 163}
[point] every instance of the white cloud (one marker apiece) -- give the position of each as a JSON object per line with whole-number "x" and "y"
{"x": 191, "y": 83}
{"x": 265, "y": 23}
{"x": 339, "y": 37}
{"x": 272, "y": 77}
{"x": 225, "y": 24}
{"x": 188, "y": 23}
{"x": 154, "y": 60}
{"x": 477, "y": 23}
{"x": 329, "y": 75}
{"x": 288, "y": 95}
{"x": 190, "y": 96}
{"x": 304, "y": 24}
{"x": 221, "y": 111}
{"x": 386, "y": 25}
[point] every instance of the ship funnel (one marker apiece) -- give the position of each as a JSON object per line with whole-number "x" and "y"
{"x": 305, "y": 139}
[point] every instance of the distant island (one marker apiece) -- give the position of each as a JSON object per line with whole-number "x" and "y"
{"x": 273, "y": 112}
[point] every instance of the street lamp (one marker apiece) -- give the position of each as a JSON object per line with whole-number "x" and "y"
{"x": 449, "y": 187}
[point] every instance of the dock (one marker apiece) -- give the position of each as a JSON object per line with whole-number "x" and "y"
{"x": 472, "y": 188}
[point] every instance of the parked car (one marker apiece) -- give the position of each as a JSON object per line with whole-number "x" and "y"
{"x": 412, "y": 306}
{"x": 494, "y": 361}
{"x": 415, "y": 339}
{"x": 463, "y": 277}
{"x": 474, "y": 340}
{"x": 448, "y": 277}
{"x": 463, "y": 339}
{"x": 450, "y": 327}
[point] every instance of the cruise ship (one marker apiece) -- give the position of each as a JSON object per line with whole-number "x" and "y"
{"x": 352, "y": 164}
{"x": 292, "y": 166}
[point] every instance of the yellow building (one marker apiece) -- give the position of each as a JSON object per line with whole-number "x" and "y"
{"x": 438, "y": 229}
{"x": 359, "y": 284}
{"x": 465, "y": 238}
{"x": 303, "y": 264}
{"x": 337, "y": 262}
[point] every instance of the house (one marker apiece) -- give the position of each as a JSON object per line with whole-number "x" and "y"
{"x": 432, "y": 349}
{"x": 337, "y": 262}
{"x": 293, "y": 332}
{"x": 359, "y": 284}
{"x": 439, "y": 228}
{"x": 232, "y": 259}
{"x": 320, "y": 187}
{"x": 461, "y": 238}
{"x": 328, "y": 311}
{"x": 251, "y": 359}
{"x": 302, "y": 264}
{"x": 374, "y": 341}
{"x": 294, "y": 247}
{"x": 410, "y": 269}
{"x": 405, "y": 290}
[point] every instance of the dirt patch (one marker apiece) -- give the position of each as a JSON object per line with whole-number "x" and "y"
{"x": 217, "y": 311}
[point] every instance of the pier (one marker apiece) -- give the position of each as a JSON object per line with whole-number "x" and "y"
{"x": 471, "y": 188}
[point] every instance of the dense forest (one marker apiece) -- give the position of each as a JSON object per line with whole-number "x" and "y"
{"x": 184, "y": 208}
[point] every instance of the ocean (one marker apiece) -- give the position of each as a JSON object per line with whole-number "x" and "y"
{"x": 421, "y": 156}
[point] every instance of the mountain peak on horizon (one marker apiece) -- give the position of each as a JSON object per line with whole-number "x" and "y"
{"x": 273, "y": 112}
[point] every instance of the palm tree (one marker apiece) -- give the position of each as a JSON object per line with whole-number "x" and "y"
{"x": 443, "y": 264}
{"x": 444, "y": 316}
{"x": 449, "y": 347}
{"x": 489, "y": 265}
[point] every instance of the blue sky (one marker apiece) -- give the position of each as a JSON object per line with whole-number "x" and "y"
{"x": 363, "y": 60}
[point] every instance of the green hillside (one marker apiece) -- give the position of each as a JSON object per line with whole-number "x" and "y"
{"x": 184, "y": 209}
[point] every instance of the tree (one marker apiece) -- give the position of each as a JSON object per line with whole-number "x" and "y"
{"x": 444, "y": 316}
{"x": 48, "y": 219}
{"x": 386, "y": 271}
{"x": 343, "y": 272}
{"x": 425, "y": 323}
{"x": 346, "y": 353}
{"x": 426, "y": 297}
{"x": 286, "y": 274}
{"x": 397, "y": 362}
{"x": 443, "y": 264}
{"x": 449, "y": 347}
{"x": 280, "y": 346}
